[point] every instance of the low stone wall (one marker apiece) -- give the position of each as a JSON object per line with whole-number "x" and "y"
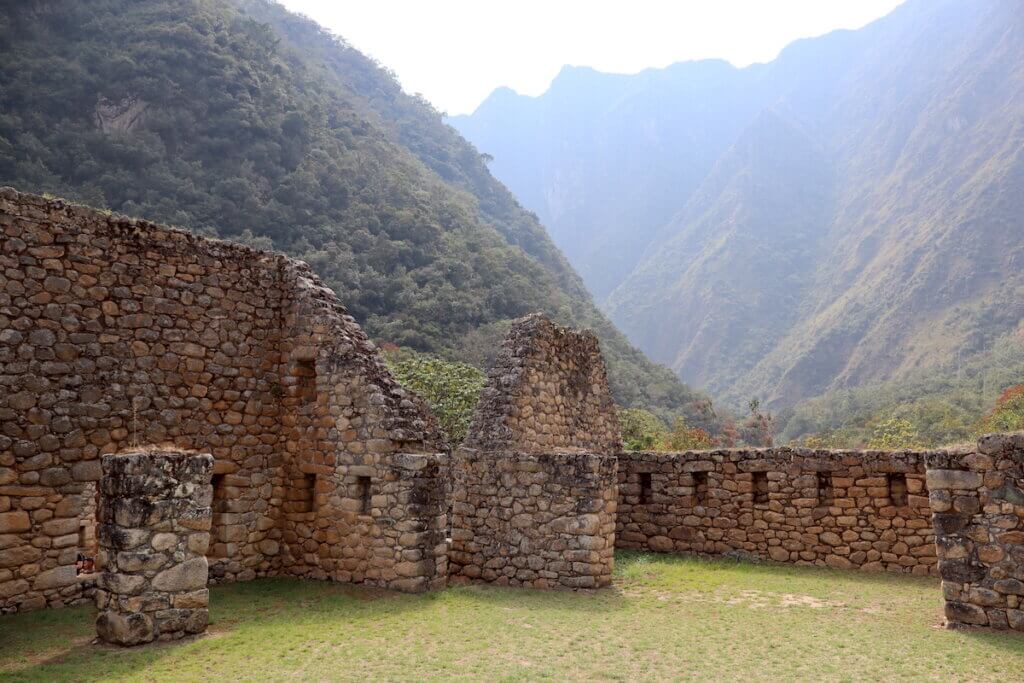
{"x": 154, "y": 532}
{"x": 845, "y": 509}
{"x": 977, "y": 496}
{"x": 545, "y": 520}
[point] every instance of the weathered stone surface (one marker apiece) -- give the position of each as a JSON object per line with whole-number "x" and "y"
{"x": 55, "y": 578}
{"x": 829, "y": 508}
{"x": 533, "y": 489}
{"x": 187, "y": 576}
{"x": 952, "y": 479}
{"x": 150, "y": 335}
{"x": 147, "y": 580}
{"x": 982, "y": 560}
{"x": 134, "y": 628}
{"x": 546, "y": 391}
{"x": 14, "y": 522}
{"x": 965, "y": 613}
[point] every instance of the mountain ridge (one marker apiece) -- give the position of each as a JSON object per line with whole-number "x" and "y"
{"x": 896, "y": 251}
{"x": 237, "y": 119}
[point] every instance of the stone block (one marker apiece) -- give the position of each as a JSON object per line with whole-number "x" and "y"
{"x": 952, "y": 479}
{"x": 187, "y": 576}
{"x": 57, "y": 577}
{"x": 965, "y": 613}
{"x": 14, "y": 522}
{"x": 133, "y": 628}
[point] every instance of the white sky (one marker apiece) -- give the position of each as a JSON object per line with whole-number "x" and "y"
{"x": 455, "y": 52}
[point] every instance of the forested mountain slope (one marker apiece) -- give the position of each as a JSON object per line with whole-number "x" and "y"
{"x": 858, "y": 218}
{"x": 240, "y": 120}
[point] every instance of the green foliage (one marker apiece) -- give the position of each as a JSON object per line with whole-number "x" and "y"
{"x": 894, "y": 433}
{"x": 450, "y": 389}
{"x": 641, "y": 429}
{"x": 1008, "y": 414}
{"x": 944, "y": 405}
{"x": 682, "y": 437}
{"x": 237, "y": 119}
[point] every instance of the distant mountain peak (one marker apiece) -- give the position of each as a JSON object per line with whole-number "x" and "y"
{"x": 788, "y": 228}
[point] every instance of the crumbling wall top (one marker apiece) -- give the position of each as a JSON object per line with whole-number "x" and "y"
{"x": 547, "y": 391}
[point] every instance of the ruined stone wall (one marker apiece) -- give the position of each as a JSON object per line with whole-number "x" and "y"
{"x": 845, "y": 509}
{"x": 154, "y": 532}
{"x": 547, "y": 391}
{"x": 117, "y": 333}
{"x": 977, "y": 495}
{"x": 534, "y": 485}
{"x": 545, "y": 520}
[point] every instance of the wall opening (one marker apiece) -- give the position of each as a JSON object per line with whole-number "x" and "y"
{"x": 760, "y": 487}
{"x": 217, "y": 509}
{"x": 897, "y": 489}
{"x": 365, "y": 495}
{"x": 646, "y": 488}
{"x": 87, "y": 561}
{"x": 700, "y": 486}
{"x": 825, "y": 491}
{"x": 302, "y": 494}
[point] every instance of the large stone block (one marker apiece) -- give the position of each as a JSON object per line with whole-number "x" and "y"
{"x": 14, "y": 522}
{"x": 187, "y": 576}
{"x": 952, "y": 479}
{"x": 134, "y": 628}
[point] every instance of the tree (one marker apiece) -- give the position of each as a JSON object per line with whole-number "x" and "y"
{"x": 450, "y": 389}
{"x": 1008, "y": 414}
{"x": 894, "y": 433}
{"x": 686, "y": 438}
{"x": 641, "y": 429}
{"x": 758, "y": 429}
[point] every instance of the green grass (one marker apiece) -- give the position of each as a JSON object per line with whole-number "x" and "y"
{"x": 666, "y": 618}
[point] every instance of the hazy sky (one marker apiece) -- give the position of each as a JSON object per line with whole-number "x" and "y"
{"x": 455, "y": 52}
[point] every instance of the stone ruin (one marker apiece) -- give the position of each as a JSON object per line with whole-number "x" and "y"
{"x": 117, "y": 334}
{"x": 534, "y": 485}
{"x": 154, "y": 533}
{"x": 127, "y": 348}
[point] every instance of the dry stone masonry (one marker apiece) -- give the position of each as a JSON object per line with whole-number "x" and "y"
{"x": 154, "y": 532}
{"x": 547, "y": 391}
{"x": 977, "y": 496}
{"x": 534, "y": 486}
{"x": 137, "y": 346}
{"x": 545, "y": 520}
{"x": 844, "y": 509}
{"x": 117, "y": 333}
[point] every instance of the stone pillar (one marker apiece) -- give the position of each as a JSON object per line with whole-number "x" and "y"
{"x": 977, "y": 501}
{"x": 154, "y": 530}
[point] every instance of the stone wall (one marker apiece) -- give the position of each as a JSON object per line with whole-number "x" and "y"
{"x": 154, "y": 532}
{"x": 534, "y": 485}
{"x": 117, "y": 333}
{"x": 845, "y": 509}
{"x": 546, "y": 392}
{"x": 545, "y": 520}
{"x": 977, "y": 496}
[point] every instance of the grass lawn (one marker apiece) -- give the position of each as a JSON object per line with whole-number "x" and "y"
{"x": 666, "y": 618}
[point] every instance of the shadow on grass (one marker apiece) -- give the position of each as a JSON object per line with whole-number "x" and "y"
{"x": 627, "y": 561}
{"x": 1010, "y": 642}
{"x": 59, "y": 644}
